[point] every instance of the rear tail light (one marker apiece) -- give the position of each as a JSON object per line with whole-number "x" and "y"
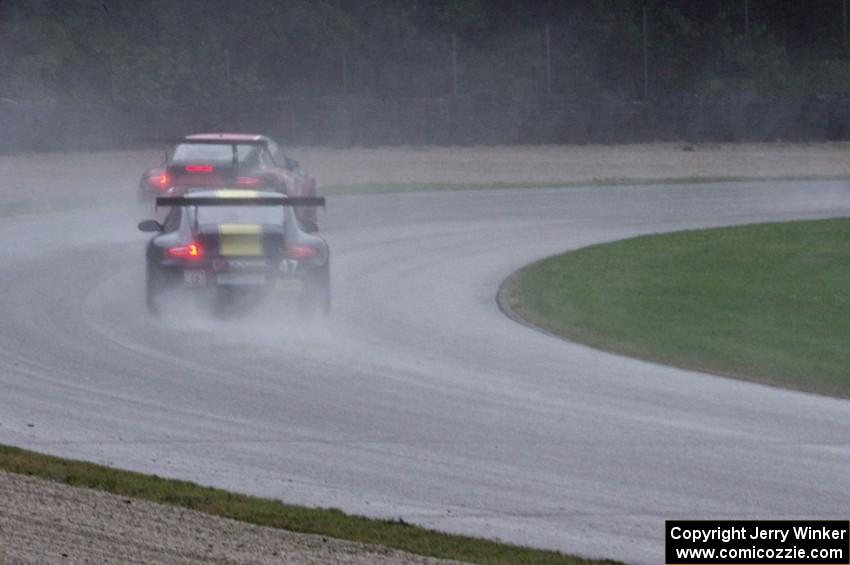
{"x": 190, "y": 251}
{"x": 299, "y": 251}
{"x": 248, "y": 181}
{"x": 199, "y": 168}
{"x": 158, "y": 180}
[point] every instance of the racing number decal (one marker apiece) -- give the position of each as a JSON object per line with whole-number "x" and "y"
{"x": 288, "y": 266}
{"x": 195, "y": 277}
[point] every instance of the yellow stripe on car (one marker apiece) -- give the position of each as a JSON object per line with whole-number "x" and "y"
{"x": 236, "y": 193}
{"x": 240, "y": 239}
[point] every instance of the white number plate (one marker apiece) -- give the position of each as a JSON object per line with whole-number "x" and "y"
{"x": 195, "y": 277}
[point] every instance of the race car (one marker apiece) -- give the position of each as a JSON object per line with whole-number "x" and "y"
{"x": 220, "y": 160}
{"x": 224, "y": 244}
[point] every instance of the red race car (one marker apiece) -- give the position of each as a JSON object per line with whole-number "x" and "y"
{"x": 228, "y": 160}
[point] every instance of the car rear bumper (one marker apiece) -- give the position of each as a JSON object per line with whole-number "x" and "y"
{"x": 262, "y": 280}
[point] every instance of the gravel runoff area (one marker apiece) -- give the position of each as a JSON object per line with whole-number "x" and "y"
{"x": 46, "y": 522}
{"x": 550, "y": 164}
{"x": 114, "y": 175}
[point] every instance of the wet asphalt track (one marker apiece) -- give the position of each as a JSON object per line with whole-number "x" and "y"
{"x": 419, "y": 399}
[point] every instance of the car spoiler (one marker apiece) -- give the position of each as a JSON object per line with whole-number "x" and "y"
{"x": 191, "y": 141}
{"x": 240, "y": 200}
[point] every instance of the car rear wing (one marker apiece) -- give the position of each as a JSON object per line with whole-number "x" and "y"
{"x": 193, "y": 141}
{"x": 268, "y": 200}
{"x": 232, "y": 143}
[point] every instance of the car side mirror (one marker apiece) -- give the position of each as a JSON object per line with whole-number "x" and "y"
{"x": 150, "y": 226}
{"x": 292, "y": 164}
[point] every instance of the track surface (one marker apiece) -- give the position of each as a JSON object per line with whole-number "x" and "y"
{"x": 418, "y": 399}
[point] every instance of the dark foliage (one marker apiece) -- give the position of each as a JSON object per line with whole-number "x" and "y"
{"x": 99, "y": 73}
{"x": 205, "y": 51}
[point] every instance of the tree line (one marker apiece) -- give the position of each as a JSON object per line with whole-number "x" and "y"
{"x": 202, "y": 52}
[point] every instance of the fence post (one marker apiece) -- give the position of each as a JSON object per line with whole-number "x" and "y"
{"x": 548, "y": 62}
{"x": 344, "y": 73}
{"x": 645, "y": 56}
{"x": 454, "y": 64}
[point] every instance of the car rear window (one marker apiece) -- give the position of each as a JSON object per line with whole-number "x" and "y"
{"x": 240, "y": 215}
{"x": 201, "y": 152}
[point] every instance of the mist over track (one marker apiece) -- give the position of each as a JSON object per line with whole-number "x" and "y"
{"x": 418, "y": 399}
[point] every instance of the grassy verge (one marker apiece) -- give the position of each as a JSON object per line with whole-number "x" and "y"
{"x": 265, "y": 512}
{"x": 14, "y": 205}
{"x": 769, "y": 303}
{"x": 389, "y": 186}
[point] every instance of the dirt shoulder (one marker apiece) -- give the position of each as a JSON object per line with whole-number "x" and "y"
{"x": 61, "y": 179}
{"x": 46, "y": 522}
{"x": 548, "y": 164}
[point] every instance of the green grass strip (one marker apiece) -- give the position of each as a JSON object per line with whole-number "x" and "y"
{"x": 768, "y": 303}
{"x": 334, "y": 523}
{"x": 36, "y": 205}
{"x": 389, "y": 186}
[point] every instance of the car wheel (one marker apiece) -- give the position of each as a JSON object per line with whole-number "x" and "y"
{"x": 153, "y": 287}
{"x": 325, "y": 291}
{"x": 223, "y": 301}
{"x": 309, "y": 215}
{"x": 146, "y": 199}
{"x": 316, "y": 300}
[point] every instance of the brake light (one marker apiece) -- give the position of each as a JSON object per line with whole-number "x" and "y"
{"x": 191, "y": 251}
{"x": 299, "y": 251}
{"x": 248, "y": 181}
{"x": 158, "y": 180}
{"x": 199, "y": 168}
